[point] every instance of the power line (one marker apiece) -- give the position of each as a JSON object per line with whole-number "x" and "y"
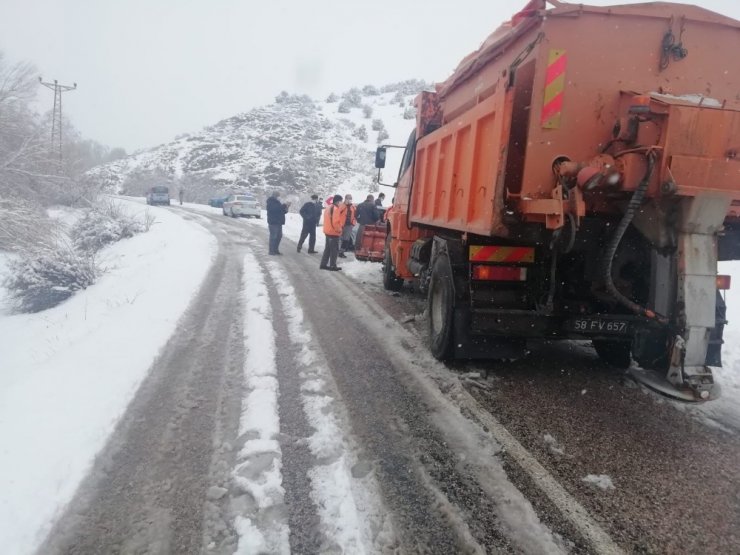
{"x": 56, "y": 118}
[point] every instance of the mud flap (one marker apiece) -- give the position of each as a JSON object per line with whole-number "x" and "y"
{"x": 468, "y": 346}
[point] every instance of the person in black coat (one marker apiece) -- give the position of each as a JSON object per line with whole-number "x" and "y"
{"x": 367, "y": 213}
{"x": 311, "y": 214}
{"x": 276, "y": 211}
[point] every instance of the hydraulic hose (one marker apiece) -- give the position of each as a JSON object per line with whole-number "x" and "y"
{"x": 611, "y": 248}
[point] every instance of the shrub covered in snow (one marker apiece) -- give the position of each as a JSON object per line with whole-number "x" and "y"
{"x": 353, "y": 97}
{"x": 344, "y": 107}
{"x": 382, "y": 135}
{"x": 410, "y": 86}
{"x": 103, "y": 225}
{"x": 332, "y": 98}
{"x": 409, "y": 113}
{"x": 285, "y": 98}
{"x": 367, "y": 111}
{"x": 43, "y": 278}
{"x": 361, "y": 133}
{"x": 378, "y": 125}
{"x": 49, "y": 270}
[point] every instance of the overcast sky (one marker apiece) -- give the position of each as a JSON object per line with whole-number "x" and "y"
{"x": 148, "y": 70}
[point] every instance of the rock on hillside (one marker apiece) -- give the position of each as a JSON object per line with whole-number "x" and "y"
{"x": 297, "y": 144}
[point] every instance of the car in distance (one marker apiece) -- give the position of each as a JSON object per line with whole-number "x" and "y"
{"x": 158, "y": 195}
{"x": 241, "y": 205}
{"x": 217, "y": 202}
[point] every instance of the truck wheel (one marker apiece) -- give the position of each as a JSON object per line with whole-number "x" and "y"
{"x": 441, "y": 306}
{"x": 614, "y": 353}
{"x": 390, "y": 281}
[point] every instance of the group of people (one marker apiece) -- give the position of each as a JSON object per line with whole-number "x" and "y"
{"x": 343, "y": 224}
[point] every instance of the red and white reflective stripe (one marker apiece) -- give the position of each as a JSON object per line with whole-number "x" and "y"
{"x": 494, "y": 253}
{"x": 484, "y": 272}
{"x": 554, "y": 86}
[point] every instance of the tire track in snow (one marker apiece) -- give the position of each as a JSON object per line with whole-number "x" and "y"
{"x": 262, "y": 522}
{"x": 344, "y": 492}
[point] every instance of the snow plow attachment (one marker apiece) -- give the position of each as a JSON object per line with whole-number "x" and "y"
{"x": 372, "y": 243}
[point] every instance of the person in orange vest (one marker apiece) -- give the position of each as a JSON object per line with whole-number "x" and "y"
{"x": 334, "y": 217}
{"x": 349, "y": 225}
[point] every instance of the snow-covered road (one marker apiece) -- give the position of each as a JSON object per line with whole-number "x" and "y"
{"x": 295, "y": 410}
{"x": 328, "y": 450}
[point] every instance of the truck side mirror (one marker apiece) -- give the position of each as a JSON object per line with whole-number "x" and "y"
{"x": 380, "y": 157}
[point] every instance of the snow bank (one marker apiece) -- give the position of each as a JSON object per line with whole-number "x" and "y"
{"x": 68, "y": 373}
{"x": 263, "y": 528}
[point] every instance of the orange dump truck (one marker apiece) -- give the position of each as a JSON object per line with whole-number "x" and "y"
{"x": 578, "y": 177}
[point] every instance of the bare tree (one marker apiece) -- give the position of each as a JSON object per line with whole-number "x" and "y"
{"x": 17, "y": 84}
{"x": 24, "y": 166}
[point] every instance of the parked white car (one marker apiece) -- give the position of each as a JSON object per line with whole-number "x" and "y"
{"x": 242, "y": 205}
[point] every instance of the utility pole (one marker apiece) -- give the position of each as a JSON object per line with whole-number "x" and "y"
{"x": 56, "y": 118}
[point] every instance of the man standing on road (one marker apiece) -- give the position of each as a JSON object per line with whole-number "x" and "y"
{"x": 334, "y": 218}
{"x": 311, "y": 214}
{"x": 275, "y": 221}
{"x": 349, "y": 224}
{"x": 181, "y": 194}
{"x": 367, "y": 214}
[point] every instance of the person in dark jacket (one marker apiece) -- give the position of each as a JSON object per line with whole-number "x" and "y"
{"x": 379, "y": 200}
{"x": 346, "y": 240}
{"x": 367, "y": 213}
{"x": 275, "y": 220}
{"x": 311, "y": 214}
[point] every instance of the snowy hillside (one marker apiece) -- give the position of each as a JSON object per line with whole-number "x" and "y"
{"x": 297, "y": 144}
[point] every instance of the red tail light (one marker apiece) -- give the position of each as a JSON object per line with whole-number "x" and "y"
{"x": 499, "y": 273}
{"x": 723, "y": 282}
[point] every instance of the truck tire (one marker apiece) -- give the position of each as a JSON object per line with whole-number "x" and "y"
{"x": 441, "y": 307}
{"x": 614, "y": 353}
{"x": 390, "y": 281}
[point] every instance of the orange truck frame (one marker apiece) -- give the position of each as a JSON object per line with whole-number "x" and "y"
{"x": 578, "y": 177}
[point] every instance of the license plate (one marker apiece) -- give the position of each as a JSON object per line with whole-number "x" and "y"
{"x": 599, "y": 326}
